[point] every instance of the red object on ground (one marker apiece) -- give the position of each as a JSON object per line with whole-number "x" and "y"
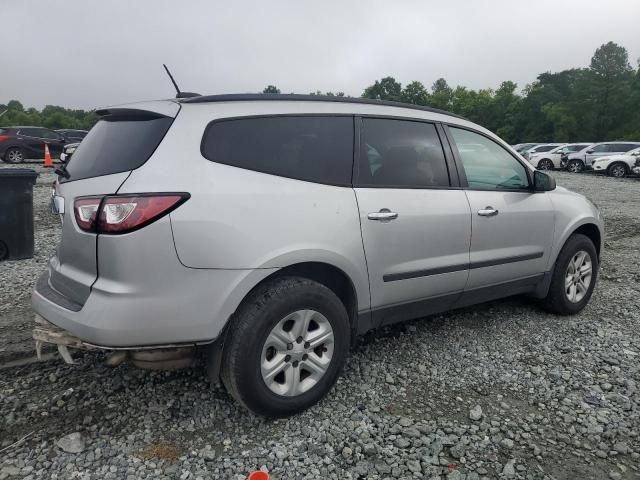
{"x": 258, "y": 475}
{"x": 48, "y": 162}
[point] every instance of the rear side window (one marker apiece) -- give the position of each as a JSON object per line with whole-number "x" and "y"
{"x": 116, "y": 145}
{"x": 310, "y": 148}
{"x": 401, "y": 154}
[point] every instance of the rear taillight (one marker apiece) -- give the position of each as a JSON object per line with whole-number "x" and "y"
{"x": 3, "y": 138}
{"x": 124, "y": 213}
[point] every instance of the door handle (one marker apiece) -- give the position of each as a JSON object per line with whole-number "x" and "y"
{"x": 488, "y": 212}
{"x": 383, "y": 215}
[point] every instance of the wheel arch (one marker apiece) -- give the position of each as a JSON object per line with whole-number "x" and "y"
{"x": 619, "y": 162}
{"x": 329, "y": 275}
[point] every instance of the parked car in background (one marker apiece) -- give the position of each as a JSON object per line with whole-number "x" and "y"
{"x": 311, "y": 242}
{"x": 522, "y": 147}
{"x": 543, "y": 147}
{"x": 617, "y": 165}
{"x": 68, "y": 151}
{"x": 73, "y": 135}
{"x": 551, "y": 159}
{"x": 636, "y": 168}
{"x": 578, "y": 161}
{"x": 18, "y": 144}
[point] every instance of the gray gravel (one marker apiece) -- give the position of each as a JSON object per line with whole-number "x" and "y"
{"x": 501, "y": 390}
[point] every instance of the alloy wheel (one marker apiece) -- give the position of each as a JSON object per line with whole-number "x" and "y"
{"x": 15, "y": 156}
{"x": 297, "y": 353}
{"x": 574, "y": 167}
{"x": 545, "y": 165}
{"x": 578, "y": 276}
{"x": 617, "y": 170}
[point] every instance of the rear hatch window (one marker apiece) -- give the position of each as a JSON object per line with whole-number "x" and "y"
{"x": 117, "y": 143}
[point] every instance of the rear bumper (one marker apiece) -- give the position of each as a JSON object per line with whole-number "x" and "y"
{"x": 194, "y": 312}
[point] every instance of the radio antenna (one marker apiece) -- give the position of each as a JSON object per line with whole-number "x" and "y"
{"x": 179, "y": 94}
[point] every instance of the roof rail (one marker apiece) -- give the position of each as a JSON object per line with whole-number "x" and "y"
{"x": 239, "y": 97}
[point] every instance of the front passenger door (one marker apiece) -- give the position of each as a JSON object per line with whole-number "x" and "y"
{"x": 512, "y": 226}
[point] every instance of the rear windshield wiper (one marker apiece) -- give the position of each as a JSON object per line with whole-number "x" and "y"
{"x": 62, "y": 171}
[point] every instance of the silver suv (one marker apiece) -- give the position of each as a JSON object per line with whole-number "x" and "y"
{"x": 275, "y": 229}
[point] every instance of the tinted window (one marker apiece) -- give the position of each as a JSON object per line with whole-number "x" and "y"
{"x": 627, "y": 146}
{"x": 114, "y": 146}
{"x": 545, "y": 148}
{"x": 487, "y": 165}
{"x": 400, "y": 153}
{"x": 575, "y": 148}
{"x": 601, "y": 148}
{"x": 30, "y": 132}
{"x": 314, "y": 149}
{"x": 50, "y": 134}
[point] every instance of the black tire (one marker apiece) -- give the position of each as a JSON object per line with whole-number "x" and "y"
{"x": 556, "y": 300}
{"x": 617, "y": 169}
{"x": 575, "y": 166}
{"x": 250, "y": 326}
{"x": 545, "y": 164}
{"x": 14, "y": 155}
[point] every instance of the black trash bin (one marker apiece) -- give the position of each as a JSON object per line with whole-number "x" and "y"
{"x": 16, "y": 213}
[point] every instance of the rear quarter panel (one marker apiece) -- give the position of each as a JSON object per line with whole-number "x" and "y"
{"x": 241, "y": 219}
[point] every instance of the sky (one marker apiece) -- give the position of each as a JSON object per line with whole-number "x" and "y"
{"x": 92, "y": 53}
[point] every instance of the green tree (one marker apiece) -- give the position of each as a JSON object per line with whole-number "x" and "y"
{"x": 385, "y": 89}
{"x": 415, "y": 93}
{"x": 271, "y": 89}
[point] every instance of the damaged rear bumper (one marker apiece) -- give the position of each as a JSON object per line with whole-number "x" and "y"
{"x": 161, "y": 357}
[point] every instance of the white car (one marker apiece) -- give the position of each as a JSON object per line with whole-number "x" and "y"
{"x": 551, "y": 159}
{"x": 542, "y": 148}
{"x": 617, "y": 165}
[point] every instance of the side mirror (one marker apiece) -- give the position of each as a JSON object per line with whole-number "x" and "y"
{"x": 590, "y": 150}
{"x": 543, "y": 182}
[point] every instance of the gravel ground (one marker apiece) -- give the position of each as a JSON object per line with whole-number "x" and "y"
{"x": 500, "y": 390}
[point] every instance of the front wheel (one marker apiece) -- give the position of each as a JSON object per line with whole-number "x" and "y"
{"x": 617, "y": 170}
{"x": 285, "y": 347}
{"x": 14, "y": 155}
{"x": 573, "y": 277}
{"x": 575, "y": 166}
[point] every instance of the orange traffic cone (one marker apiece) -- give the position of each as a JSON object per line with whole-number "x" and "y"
{"x": 48, "y": 162}
{"x": 258, "y": 475}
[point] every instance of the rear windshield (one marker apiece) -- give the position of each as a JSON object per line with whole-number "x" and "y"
{"x": 117, "y": 144}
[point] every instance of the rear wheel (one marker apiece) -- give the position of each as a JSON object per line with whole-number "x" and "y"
{"x": 573, "y": 277}
{"x": 545, "y": 164}
{"x": 14, "y": 155}
{"x": 617, "y": 170}
{"x": 575, "y": 166}
{"x": 285, "y": 347}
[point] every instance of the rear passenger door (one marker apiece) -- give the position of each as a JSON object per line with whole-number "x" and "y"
{"x": 415, "y": 220}
{"x": 512, "y": 225}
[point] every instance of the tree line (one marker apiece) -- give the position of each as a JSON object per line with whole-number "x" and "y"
{"x": 597, "y": 103}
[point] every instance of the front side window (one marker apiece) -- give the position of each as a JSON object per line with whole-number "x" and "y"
{"x": 401, "y": 154}
{"x": 314, "y": 149}
{"x": 487, "y": 165}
